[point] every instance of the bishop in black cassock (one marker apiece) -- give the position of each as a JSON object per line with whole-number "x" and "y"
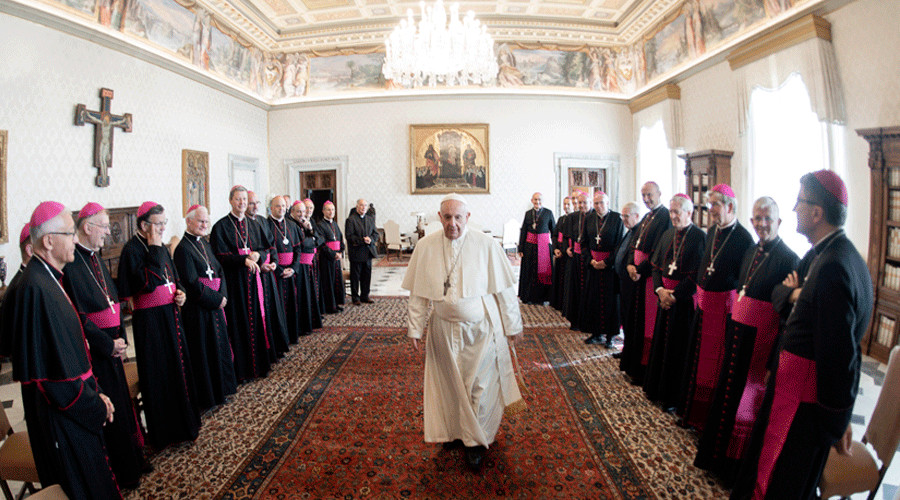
{"x": 148, "y": 276}
{"x": 25, "y": 250}
{"x": 751, "y": 335}
{"x": 95, "y": 297}
{"x": 602, "y": 233}
{"x": 810, "y": 395}
{"x": 64, "y": 408}
{"x": 675, "y": 262}
{"x": 201, "y": 276}
{"x": 575, "y": 265}
{"x": 535, "y": 247}
{"x": 331, "y": 251}
{"x": 276, "y": 318}
{"x": 643, "y": 301}
{"x": 557, "y": 289}
{"x": 717, "y": 281}
{"x": 239, "y": 244}
{"x": 286, "y": 240}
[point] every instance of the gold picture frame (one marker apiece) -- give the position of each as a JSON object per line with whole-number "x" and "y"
{"x": 194, "y": 179}
{"x": 448, "y": 158}
{"x": 4, "y": 148}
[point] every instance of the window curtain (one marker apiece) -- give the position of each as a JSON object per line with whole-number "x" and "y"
{"x": 669, "y": 111}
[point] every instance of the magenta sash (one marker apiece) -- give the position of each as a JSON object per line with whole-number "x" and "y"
{"x": 334, "y": 245}
{"x": 716, "y": 307}
{"x": 762, "y": 316}
{"x": 213, "y": 284}
{"x": 651, "y": 305}
{"x": 577, "y": 248}
{"x": 307, "y": 258}
{"x": 669, "y": 283}
{"x": 106, "y": 318}
{"x": 260, "y": 294}
{"x": 559, "y": 237}
{"x": 545, "y": 270}
{"x": 285, "y": 259}
{"x": 794, "y": 384}
{"x": 163, "y": 295}
{"x": 598, "y": 255}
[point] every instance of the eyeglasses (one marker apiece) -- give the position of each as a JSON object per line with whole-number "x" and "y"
{"x": 101, "y": 226}
{"x": 70, "y": 234}
{"x": 160, "y": 223}
{"x": 804, "y": 200}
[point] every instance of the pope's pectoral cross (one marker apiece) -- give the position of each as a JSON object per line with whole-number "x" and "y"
{"x": 104, "y": 122}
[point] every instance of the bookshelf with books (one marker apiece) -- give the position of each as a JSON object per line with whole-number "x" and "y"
{"x": 703, "y": 170}
{"x": 884, "y": 240}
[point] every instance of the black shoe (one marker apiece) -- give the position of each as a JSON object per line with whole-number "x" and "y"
{"x": 592, "y": 340}
{"x": 475, "y": 457}
{"x": 356, "y": 302}
{"x": 368, "y": 300}
{"x": 574, "y": 328}
{"x": 608, "y": 344}
{"x": 452, "y": 445}
{"x": 617, "y": 355}
{"x": 340, "y": 308}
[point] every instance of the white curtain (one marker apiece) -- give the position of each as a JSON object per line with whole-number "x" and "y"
{"x": 669, "y": 111}
{"x": 814, "y": 61}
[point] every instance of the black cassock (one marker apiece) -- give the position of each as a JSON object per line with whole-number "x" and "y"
{"x": 6, "y": 316}
{"x": 599, "y": 312}
{"x": 750, "y": 337}
{"x": 307, "y": 281}
{"x": 642, "y": 302}
{"x": 810, "y": 395}
{"x": 286, "y": 242}
{"x": 205, "y": 325}
{"x": 233, "y": 240}
{"x": 574, "y": 270}
{"x": 624, "y": 285}
{"x": 536, "y": 247}
{"x": 91, "y": 289}
{"x": 276, "y": 319}
{"x": 60, "y": 396}
{"x": 148, "y": 276}
{"x": 671, "y": 332}
{"x": 557, "y": 289}
{"x": 331, "y": 276}
{"x": 717, "y": 281}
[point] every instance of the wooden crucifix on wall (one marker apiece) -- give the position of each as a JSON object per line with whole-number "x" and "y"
{"x": 104, "y": 122}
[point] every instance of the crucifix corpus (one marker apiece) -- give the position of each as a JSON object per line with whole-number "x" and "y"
{"x": 104, "y": 122}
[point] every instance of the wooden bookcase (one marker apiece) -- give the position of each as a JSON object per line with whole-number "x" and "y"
{"x": 703, "y": 170}
{"x": 884, "y": 240}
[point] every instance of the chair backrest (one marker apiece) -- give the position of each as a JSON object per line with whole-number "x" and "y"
{"x": 883, "y": 432}
{"x": 432, "y": 227}
{"x": 5, "y": 426}
{"x": 391, "y": 233}
{"x": 511, "y": 232}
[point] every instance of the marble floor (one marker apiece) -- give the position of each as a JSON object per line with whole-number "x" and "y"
{"x": 386, "y": 283}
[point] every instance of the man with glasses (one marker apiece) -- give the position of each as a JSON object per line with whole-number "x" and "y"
{"x": 631, "y": 214}
{"x": 361, "y": 238}
{"x": 810, "y": 395}
{"x": 148, "y": 276}
{"x": 717, "y": 281}
{"x": 96, "y": 298}
{"x": 64, "y": 408}
{"x": 204, "y": 311}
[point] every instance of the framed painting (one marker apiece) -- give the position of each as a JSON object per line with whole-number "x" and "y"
{"x": 449, "y": 158}
{"x": 4, "y": 148}
{"x": 194, "y": 179}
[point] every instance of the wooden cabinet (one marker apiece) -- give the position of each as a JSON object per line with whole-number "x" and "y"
{"x": 703, "y": 170}
{"x": 122, "y": 226}
{"x": 884, "y": 239}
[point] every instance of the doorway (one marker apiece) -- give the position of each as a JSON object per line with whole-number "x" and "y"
{"x": 319, "y": 186}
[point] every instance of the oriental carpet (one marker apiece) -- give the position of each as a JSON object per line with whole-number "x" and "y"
{"x": 341, "y": 416}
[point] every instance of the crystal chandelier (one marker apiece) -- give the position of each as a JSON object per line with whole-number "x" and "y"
{"x": 458, "y": 53}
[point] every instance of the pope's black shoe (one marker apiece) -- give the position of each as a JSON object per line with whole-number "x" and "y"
{"x": 475, "y": 456}
{"x": 452, "y": 445}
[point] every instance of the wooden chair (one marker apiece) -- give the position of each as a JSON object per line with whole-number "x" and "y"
{"x": 134, "y": 388}
{"x": 53, "y": 492}
{"x": 846, "y": 475}
{"x": 510, "y": 239}
{"x": 16, "y": 459}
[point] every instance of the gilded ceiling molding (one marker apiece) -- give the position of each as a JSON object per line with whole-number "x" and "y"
{"x": 805, "y": 28}
{"x": 655, "y": 96}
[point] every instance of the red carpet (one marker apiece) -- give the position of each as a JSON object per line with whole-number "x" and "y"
{"x": 356, "y": 430}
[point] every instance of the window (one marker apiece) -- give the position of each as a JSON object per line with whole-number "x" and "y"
{"x": 658, "y": 163}
{"x": 787, "y": 140}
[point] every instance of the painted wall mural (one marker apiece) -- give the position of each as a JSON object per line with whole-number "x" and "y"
{"x": 190, "y": 33}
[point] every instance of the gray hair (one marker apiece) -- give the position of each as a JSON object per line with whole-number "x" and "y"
{"x": 632, "y": 207}
{"x": 48, "y": 227}
{"x": 767, "y": 202}
{"x": 684, "y": 202}
{"x": 195, "y": 212}
{"x": 236, "y": 189}
{"x": 726, "y": 200}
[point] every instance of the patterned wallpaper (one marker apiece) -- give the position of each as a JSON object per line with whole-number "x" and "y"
{"x": 524, "y": 135}
{"x": 45, "y": 73}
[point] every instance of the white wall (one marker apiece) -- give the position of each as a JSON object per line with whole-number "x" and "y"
{"x": 44, "y": 73}
{"x": 524, "y": 135}
{"x": 865, "y": 37}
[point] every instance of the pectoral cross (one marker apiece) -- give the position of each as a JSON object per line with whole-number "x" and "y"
{"x": 672, "y": 267}
{"x": 597, "y": 239}
{"x": 637, "y": 244}
{"x": 710, "y": 269}
{"x": 534, "y": 225}
{"x": 168, "y": 284}
{"x": 446, "y": 286}
{"x": 112, "y": 305}
{"x": 209, "y": 272}
{"x": 742, "y": 293}
{"x": 104, "y": 123}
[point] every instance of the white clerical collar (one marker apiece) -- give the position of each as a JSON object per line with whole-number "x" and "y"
{"x": 192, "y": 234}
{"x": 329, "y": 220}
{"x": 829, "y": 235}
{"x": 726, "y": 226}
{"x": 278, "y": 220}
{"x": 86, "y": 248}
{"x": 363, "y": 216}
{"x": 238, "y": 217}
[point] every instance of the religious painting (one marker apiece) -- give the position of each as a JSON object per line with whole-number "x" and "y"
{"x": 340, "y": 73}
{"x": 194, "y": 178}
{"x": 162, "y": 22}
{"x": 449, "y": 158}
{"x": 4, "y": 148}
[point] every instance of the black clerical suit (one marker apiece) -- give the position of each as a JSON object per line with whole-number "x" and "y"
{"x": 356, "y": 228}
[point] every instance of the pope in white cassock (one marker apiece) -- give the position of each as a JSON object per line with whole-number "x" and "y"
{"x": 469, "y": 377}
